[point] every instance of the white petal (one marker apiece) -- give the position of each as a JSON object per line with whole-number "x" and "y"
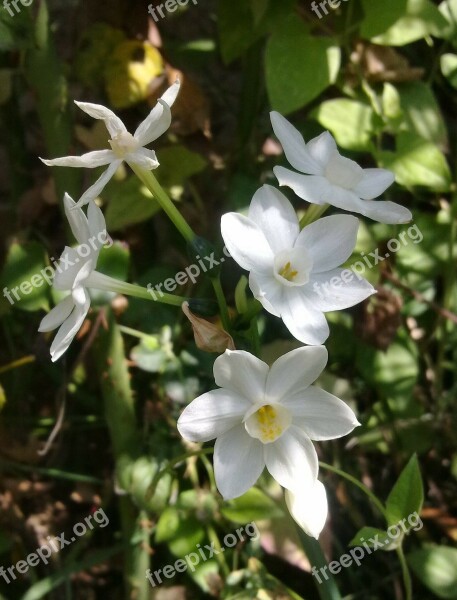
{"x": 95, "y": 190}
{"x": 329, "y": 240}
{"x": 322, "y": 148}
{"x": 70, "y": 263}
{"x": 114, "y": 125}
{"x": 294, "y": 145}
{"x": 70, "y": 328}
{"x": 321, "y": 415}
{"x": 304, "y": 321}
{"x": 374, "y": 183}
{"x": 389, "y": 213}
{"x": 267, "y": 290}
{"x": 159, "y": 119}
{"x": 312, "y": 188}
{"x": 97, "y": 223}
{"x": 329, "y": 291}
{"x": 242, "y": 373}
{"x": 294, "y": 372}
{"x": 144, "y": 158}
{"x": 276, "y": 217}
{"x": 238, "y": 462}
{"x": 170, "y": 95}
{"x": 292, "y": 459}
{"x": 246, "y": 243}
{"x": 309, "y": 507}
{"x": 77, "y": 220}
{"x": 57, "y": 315}
{"x": 98, "y": 158}
{"x": 211, "y": 415}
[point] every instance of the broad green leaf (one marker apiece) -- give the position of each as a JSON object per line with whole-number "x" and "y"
{"x": 417, "y": 162}
{"x": 448, "y": 8}
{"x": 22, "y": 275}
{"x": 436, "y": 567}
{"x": 251, "y": 506}
{"x": 371, "y": 536}
{"x": 407, "y": 495}
{"x": 449, "y": 68}
{"x": 421, "y": 19}
{"x": 379, "y": 16}
{"x": 177, "y": 164}
{"x": 391, "y": 105}
{"x": 422, "y": 113}
{"x": 167, "y": 525}
{"x": 130, "y": 202}
{"x": 351, "y": 122}
{"x": 298, "y": 66}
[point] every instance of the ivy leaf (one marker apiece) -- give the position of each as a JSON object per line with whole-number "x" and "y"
{"x": 351, "y": 122}
{"x": 407, "y": 495}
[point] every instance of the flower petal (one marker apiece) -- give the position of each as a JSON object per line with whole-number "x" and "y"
{"x": 95, "y": 190}
{"x": 144, "y": 158}
{"x": 322, "y": 148}
{"x": 272, "y": 212}
{"x": 267, "y": 290}
{"x": 71, "y": 326}
{"x": 211, "y": 415}
{"x": 321, "y": 415}
{"x": 309, "y": 507}
{"x": 294, "y": 372}
{"x": 374, "y": 183}
{"x": 242, "y": 373}
{"x": 77, "y": 220}
{"x": 70, "y": 264}
{"x": 294, "y": 145}
{"x": 246, "y": 243}
{"x": 330, "y": 291}
{"x": 96, "y": 220}
{"x": 304, "y": 321}
{"x": 238, "y": 462}
{"x": 312, "y": 188}
{"x": 57, "y": 315}
{"x": 329, "y": 240}
{"x": 292, "y": 458}
{"x": 389, "y": 213}
{"x": 114, "y": 125}
{"x": 159, "y": 119}
{"x": 97, "y": 158}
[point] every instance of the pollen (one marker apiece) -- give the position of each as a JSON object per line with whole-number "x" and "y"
{"x": 268, "y": 422}
{"x": 288, "y": 272}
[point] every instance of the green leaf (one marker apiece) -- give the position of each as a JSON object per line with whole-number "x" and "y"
{"x": 448, "y": 8}
{"x": 351, "y": 122}
{"x": 368, "y": 535}
{"x": 449, "y": 68}
{"x": 130, "y": 202}
{"x": 407, "y": 495}
{"x": 177, "y": 164}
{"x": 380, "y": 16}
{"x": 298, "y": 66}
{"x": 436, "y": 567}
{"x": 251, "y": 506}
{"x": 420, "y": 19}
{"x": 22, "y": 276}
{"x": 417, "y": 162}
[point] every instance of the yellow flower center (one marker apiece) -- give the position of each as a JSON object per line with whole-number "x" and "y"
{"x": 268, "y": 423}
{"x": 288, "y": 272}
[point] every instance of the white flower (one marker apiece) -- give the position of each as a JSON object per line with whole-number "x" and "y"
{"x": 308, "y": 507}
{"x": 265, "y": 416}
{"x": 333, "y": 179}
{"x": 76, "y": 273}
{"x": 124, "y": 145}
{"x": 293, "y": 273}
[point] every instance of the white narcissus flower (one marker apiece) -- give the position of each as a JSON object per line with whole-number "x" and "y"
{"x": 75, "y": 274}
{"x": 266, "y": 416}
{"x": 308, "y": 507}
{"x": 124, "y": 145}
{"x": 333, "y": 179}
{"x": 293, "y": 273}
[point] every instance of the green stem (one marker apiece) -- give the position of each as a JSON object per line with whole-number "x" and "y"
{"x": 379, "y": 505}
{"x": 166, "y": 203}
{"x": 405, "y": 573}
{"x": 223, "y": 308}
{"x": 328, "y": 589}
{"x": 314, "y": 212}
{"x": 104, "y": 282}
